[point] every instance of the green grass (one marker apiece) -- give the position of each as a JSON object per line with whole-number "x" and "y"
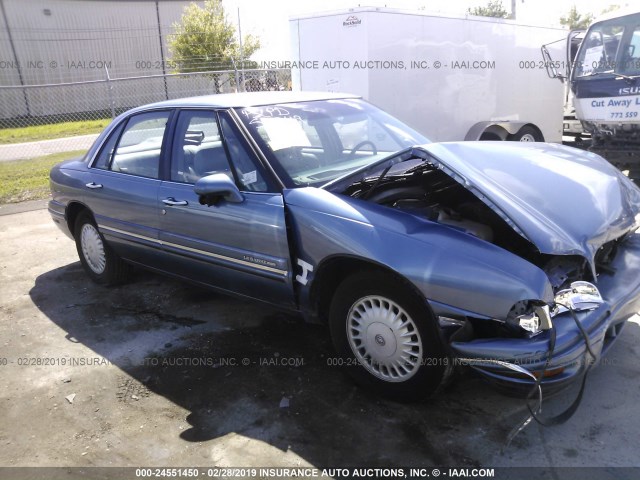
{"x": 22, "y": 180}
{"x": 51, "y": 131}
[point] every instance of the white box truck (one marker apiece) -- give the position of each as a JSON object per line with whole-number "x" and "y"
{"x": 451, "y": 78}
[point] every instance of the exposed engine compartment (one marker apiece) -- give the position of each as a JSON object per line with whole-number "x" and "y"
{"x": 422, "y": 189}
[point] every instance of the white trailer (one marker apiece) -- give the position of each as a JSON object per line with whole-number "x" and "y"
{"x": 451, "y": 78}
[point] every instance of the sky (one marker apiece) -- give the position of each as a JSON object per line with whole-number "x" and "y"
{"x": 269, "y": 20}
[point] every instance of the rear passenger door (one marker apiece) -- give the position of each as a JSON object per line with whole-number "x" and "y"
{"x": 123, "y": 189}
{"x": 237, "y": 247}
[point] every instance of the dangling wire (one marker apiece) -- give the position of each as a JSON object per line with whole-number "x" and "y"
{"x": 568, "y": 413}
{"x": 537, "y": 387}
{"x": 534, "y": 413}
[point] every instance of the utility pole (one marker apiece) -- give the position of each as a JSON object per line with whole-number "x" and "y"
{"x": 513, "y": 8}
{"x": 240, "y": 43}
{"x": 164, "y": 70}
{"x": 240, "y": 36}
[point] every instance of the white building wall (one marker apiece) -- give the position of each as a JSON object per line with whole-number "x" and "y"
{"x": 61, "y": 41}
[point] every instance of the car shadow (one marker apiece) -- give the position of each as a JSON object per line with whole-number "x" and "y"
{"x": 249, "y": 369}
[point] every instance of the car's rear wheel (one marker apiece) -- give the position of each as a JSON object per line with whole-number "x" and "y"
{"x": 386, "y": 338}
{"x": 100, "y": 262}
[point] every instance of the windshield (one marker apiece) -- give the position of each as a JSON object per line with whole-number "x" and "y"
{"x": 611, "y": 47}
{"x": 312, "y": 143}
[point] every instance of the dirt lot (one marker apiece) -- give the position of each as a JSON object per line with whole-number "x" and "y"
{"x": 166, "y": 374}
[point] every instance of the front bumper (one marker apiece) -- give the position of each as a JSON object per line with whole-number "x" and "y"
{"x": 621, "y": 294}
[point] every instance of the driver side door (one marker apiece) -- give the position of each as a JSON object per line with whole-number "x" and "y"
{"x": 240, "y": 248}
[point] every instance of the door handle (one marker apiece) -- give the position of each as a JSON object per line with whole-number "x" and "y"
{"x": 175, "y": 203}
{"x": 93, "y": 185}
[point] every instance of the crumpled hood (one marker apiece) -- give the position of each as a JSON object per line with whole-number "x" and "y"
{"x": 563, "y": 200}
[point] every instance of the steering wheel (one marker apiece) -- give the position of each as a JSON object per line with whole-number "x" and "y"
{"x": 362, "y": 144}
{"x": 293, "y": 158}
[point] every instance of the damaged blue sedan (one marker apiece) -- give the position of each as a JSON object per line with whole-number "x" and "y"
{"x": 515, "y": 258}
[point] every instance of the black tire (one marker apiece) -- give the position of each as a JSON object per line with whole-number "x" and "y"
{"x": 112, "y": 270}
{"x": 428, "y": 366}
{"x": 526, "y": 134}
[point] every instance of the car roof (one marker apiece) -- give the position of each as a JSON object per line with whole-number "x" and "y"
{"x": 249, "y": 99}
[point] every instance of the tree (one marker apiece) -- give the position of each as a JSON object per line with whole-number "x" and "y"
{"x": 575, "y": 20}
{"x": 610, "y": 8}
{"x": 205, "y": 40}
{"x": 493, "y": 9}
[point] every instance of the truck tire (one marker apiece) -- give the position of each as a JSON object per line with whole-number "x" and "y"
{"x": 526, "y": 134}
{"x": 98, "y": 259}
{"x": 386, "y": 338}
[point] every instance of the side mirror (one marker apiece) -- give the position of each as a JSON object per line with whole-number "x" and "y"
{"x": 550, "y": 65}
{"x": 213, "y": 188}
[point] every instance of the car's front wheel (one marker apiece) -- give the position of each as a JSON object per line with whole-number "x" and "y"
{"x": 386, "y": 338}
{"x": 100, "y": 262}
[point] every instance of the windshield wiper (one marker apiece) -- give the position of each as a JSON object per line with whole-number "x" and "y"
{"x": 368, "y": 193}
{"x": 375, "y": 185}
{"x": 366, "y": 168}
{"x": 595, "y": 74}
{"x": 627, "y": 78}
{"x": 619, "y": 76}
{"x": 397, "y": 157}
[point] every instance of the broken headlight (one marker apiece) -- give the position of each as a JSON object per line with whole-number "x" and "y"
{"x": 579, "y": 297}
{"x": 530, "y": 318}
{"x": 529, "y": 322}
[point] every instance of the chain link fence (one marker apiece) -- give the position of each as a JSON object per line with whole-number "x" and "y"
{"x": 74, "y": 108}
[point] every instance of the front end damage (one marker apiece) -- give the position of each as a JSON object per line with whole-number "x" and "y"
{"x": 601, "y": 316}
{"x": 569, "y": 213}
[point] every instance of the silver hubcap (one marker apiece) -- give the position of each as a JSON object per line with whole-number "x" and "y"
{"x": 384, "y": 338}
{"x": 93, "y": 248}
{"x": 527, "y": 137}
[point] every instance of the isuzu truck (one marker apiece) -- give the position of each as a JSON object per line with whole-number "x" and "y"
{"x": 605, "y": 82}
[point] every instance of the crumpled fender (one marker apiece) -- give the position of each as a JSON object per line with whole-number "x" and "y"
{"x": 448, "y": 266}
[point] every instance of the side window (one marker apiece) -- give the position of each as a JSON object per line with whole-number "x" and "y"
{"x": 138, "y": 152}
{"x": 631, "y": 59}
{"x": 248, "y": 172}
{"x": 104, "y": 157}
{"x": 197, "y": 149}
